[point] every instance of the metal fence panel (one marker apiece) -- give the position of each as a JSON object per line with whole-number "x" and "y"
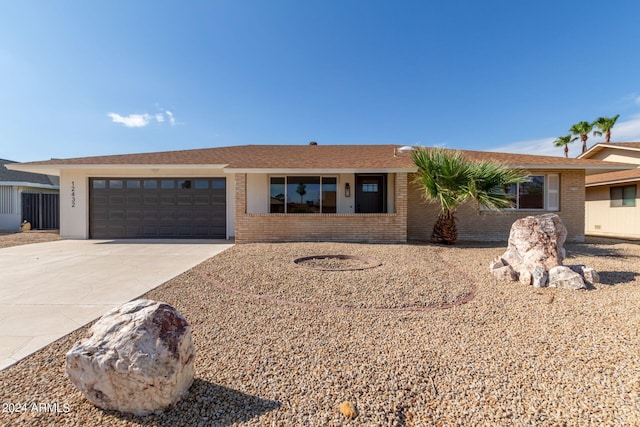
{"x": 41, "y": 210}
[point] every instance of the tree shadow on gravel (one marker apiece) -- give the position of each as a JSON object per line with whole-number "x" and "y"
{"x": 206, "y": 403}
{"x": 612, "y": 278}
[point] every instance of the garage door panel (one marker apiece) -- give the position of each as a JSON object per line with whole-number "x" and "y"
{"x": 151, "y": 199}
{"x": 163, "y": 207}
{"x": 134, "y": 200}
{"x": 116, "y": 199}
{"x": 150, "y": 214}
{"x": 134, "y": 214}
{"x": 116, "y": 214}
{"x": 167, "y": 200}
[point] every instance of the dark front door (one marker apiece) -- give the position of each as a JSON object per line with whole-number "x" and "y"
{"x": 371, "y": 193}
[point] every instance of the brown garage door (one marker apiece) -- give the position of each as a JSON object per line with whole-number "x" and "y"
{"x": 157, "y": 208}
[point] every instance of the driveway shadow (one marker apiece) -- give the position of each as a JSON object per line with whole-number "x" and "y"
{"x": 223, "y": 407}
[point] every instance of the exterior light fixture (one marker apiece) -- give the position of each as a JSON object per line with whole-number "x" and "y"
{"x": 347, "y": 190}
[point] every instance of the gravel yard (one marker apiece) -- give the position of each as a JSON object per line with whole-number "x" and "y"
{"x": 283, "y": 345}
{"x": 24, "y": 238}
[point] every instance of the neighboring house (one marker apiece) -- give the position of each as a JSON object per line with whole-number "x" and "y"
{"x": 259, "y": 193}
{"x": 19, "y": 198}
{"x": 613, "y": 199}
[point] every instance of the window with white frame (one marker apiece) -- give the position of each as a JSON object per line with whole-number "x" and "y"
{"x": 539, "y": 192}
{"x": 303, "y": 194}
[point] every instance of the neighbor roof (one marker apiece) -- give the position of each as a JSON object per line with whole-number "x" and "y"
{"x": 630, "y": 146}
{"x": 249, "y": 158}
{"x": 16, "y": 177}
{"x": 617, "y": 177}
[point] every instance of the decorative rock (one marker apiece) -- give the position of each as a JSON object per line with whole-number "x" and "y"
{"x": 564, "y": 277}
{"x": 496, "y": 263}
{"x": 590, "y": 275}
{"x": 525, "y": 277}
{"x": 348, "y": 410}
{"x": 536, "y": 240}
{"x": 505, "y": 273}
{"x": 139, "y": 358}
{"x": 540, "y": 277}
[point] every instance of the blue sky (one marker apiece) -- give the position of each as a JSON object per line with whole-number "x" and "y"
{"x": 82, "y": 78}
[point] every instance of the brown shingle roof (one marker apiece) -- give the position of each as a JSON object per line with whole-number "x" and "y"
{"x": 613, "y": 177}
{"x": 313, "y": 157}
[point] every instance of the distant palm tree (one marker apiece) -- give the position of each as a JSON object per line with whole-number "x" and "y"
{"x": 582, "y": 129}
{"x": 564, "y": 141}
{"x": 605, "y": 124}
{"x": 301, "y": 190}
{"x": 451, "y": 179}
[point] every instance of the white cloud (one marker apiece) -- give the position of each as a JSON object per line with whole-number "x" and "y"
{"x": 172, "y": 119}
{"x": 623, "y": 131}
{"x": 542, "y": 147}
{"x": 132, "y": 120}
{"x": 142, "y": 120}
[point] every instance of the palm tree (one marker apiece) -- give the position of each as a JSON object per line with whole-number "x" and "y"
{"x": 605, "y": 124}
{"x": 563, "y": 141}
{"x": 301, "y": 190}
{"x": 451, "y": 179}
{"x": 582, "y": 129}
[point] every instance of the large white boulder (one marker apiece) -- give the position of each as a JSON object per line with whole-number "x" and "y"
{"x": 536, "y": 240}
{"x": 535, "y": 254}
{"x": 138, "y": 359}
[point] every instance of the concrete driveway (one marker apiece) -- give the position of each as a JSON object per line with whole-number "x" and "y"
{"x": 48, "y": 290}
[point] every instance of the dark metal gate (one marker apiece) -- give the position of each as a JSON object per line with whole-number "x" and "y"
{"x": 41, "y": 210}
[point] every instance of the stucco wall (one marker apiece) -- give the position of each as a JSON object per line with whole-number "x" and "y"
{"x": 475, "y": 225}
{"x": 603, "y": 220}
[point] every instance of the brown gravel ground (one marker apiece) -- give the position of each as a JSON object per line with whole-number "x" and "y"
{"x": 16, "y": 239}
{"x": 513, "y": 355}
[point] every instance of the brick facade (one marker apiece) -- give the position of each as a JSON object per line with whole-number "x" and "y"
{"x": 475, "y": 225}
{"x": 375, "y": 228}
{"x": 412, "y": 220}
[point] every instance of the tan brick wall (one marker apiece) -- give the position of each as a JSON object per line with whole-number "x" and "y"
{"x": 378, "y": 228}
{"x": 478, "y": 225}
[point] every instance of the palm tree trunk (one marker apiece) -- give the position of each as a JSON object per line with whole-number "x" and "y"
{"x": 607, "y": 136}
{"x": 445, "y": 230}
{"x": 584, "y": 143}
{"x": 566, "y": 151}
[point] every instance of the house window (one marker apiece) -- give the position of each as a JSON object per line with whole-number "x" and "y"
{"x": 303, "y": 194}
{"x": 539, "y": 192}
{"x": 623, "y": 196}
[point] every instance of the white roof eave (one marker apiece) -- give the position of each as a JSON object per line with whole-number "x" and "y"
{"x": 57, "y": 168}
{"x": 318, "y": 170}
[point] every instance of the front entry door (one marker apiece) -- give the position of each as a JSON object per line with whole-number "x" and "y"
{"x": 371, "y": 194}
